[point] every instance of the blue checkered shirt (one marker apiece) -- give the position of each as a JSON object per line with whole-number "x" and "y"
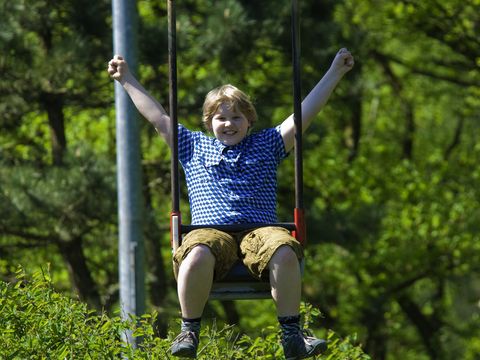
{"x": 231, "y": 184}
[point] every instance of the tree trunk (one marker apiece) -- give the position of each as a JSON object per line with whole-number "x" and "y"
{"x": 427, "y": 327}
{"x": 233, "y": 318}
{"x": 409, "y": 130}
{"x": 456, "y": 139}
{"x": 158, "y": 286}
{"x": 374, "y": 320}
{"x": 53, "y": 104}
{"x": 72, "y": 253}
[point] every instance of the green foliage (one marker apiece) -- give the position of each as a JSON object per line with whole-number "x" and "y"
{"x": 39, "y": 323}
{"x": 404, "y": 236}
{"x": 391, "y": 164}
{"x": 55, "y": 208}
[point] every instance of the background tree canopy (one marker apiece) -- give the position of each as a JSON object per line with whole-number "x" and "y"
{"x": 391, "y": 164}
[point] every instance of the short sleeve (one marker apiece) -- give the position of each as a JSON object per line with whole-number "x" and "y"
{"x": 186, "y": 144}
{"x": 277, "y": 143}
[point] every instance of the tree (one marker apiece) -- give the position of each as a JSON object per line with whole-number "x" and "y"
{"x": 49, "y": 51}
{"x": 394, "y": 217}
{"x": 390, "y": 165}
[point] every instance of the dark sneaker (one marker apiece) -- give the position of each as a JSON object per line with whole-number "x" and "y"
{"x": 185, "y": 345}
{"x": 301, "y": 345}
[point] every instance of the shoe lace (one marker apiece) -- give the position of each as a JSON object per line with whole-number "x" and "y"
{"x": 188, "y": 336}
{"x": 303, "y": 333}
{"x": 307, "y": 333}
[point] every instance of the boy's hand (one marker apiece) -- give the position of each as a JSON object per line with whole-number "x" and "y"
{"x": 343, "y": 61}
{"x": 117, "y": 68}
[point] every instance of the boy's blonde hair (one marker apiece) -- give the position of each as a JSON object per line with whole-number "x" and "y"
{"x": 233, "y": 98}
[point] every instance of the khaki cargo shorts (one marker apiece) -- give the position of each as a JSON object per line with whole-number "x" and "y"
{"x": 253, "y": 247}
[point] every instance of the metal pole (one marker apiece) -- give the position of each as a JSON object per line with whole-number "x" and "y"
{"x": 130, "y": 202}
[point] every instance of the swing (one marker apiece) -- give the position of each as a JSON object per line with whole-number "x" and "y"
{"x": 238, "y": 283}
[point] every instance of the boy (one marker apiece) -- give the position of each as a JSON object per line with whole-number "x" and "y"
{"x": 231, "y": 178}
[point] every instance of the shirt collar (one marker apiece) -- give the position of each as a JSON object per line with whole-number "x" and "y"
{"x": 239, "y": 147}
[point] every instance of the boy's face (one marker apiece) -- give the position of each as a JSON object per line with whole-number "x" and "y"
{"x": 229, "y": 126}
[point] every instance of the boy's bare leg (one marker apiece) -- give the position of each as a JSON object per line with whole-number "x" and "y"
{"x": 285, "y": 281}
{"x": 195, "y": 278}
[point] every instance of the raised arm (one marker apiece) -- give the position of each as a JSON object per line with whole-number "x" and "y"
{"x": 318, "y": 97}
{"x": 150, "y": 108}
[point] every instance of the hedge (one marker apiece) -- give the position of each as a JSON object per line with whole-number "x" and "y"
{"x": 37, "y": 322}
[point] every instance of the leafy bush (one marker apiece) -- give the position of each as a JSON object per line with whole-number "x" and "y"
{"x": 39, "y": 323}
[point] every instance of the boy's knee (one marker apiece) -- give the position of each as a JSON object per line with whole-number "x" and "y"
{"x": 199, "y": 255}
{"x": 285, "y": 255}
